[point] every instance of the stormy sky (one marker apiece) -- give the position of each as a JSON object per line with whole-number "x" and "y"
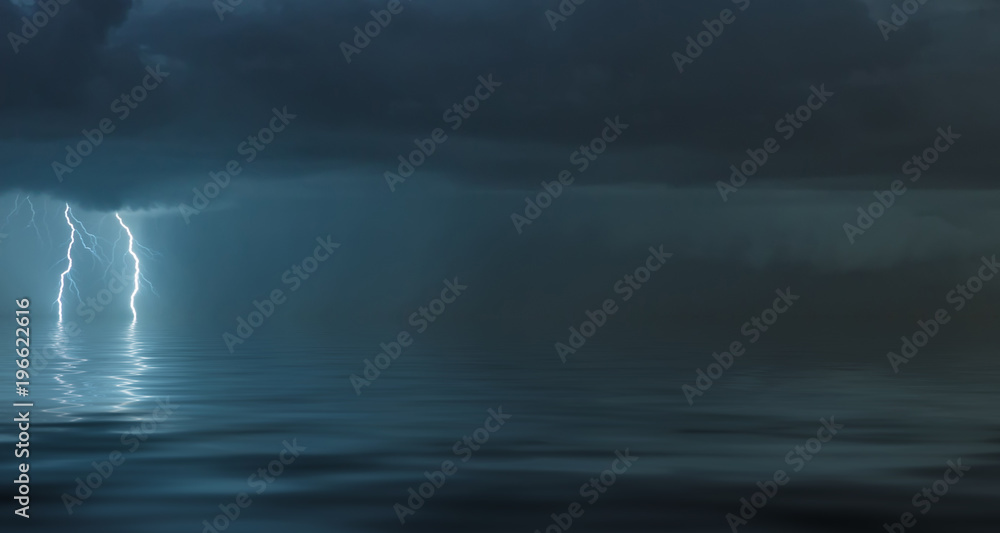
{"x": 559, "y": 79}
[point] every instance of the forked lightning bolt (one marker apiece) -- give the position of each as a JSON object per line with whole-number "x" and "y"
{"x": 76, "y": 227}
{"x": 131, "y": 243}
{"x": 95, "y": 248}
{"x": 32, "y": 224}
{"x": 17, "y": 207}
{"x": 69, "y": 257}
{"x": 114, "y": 248}
{"x": 18, "y": 203}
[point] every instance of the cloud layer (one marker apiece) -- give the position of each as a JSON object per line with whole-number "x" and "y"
{"x": 604, "y": 60}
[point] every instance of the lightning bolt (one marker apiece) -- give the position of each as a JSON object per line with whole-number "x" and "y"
{"x": 131, "y": 243}
{"x": 18, "y": 203}
{"x": 45, "y": 220}
{"x": 17, "y": 207}
{"x": 114, "y": 247}
{"x": 95, "y": 249}
{"x": 32, "y": 224}
{"x": 69, "y": 257}
{"x": 76, "y": 227}
{"x": 147, "y": 251}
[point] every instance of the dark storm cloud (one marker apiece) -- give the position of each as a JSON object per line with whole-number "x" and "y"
{"x": 607, "y": 59}
{"x": 49, "y": 67}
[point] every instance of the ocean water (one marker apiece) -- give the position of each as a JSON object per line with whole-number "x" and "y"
{"x": 194, "y": 425}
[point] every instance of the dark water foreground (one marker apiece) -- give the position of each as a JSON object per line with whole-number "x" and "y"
{"x": 608, "y": 437}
